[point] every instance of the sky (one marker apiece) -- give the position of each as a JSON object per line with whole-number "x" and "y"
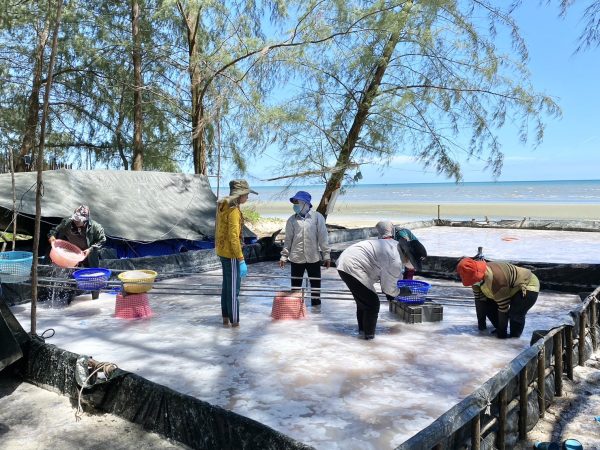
{"x": 569, "y": 150}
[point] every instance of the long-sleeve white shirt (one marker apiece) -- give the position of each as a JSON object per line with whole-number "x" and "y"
{"x": 371, "y": 261}
{"x": 305, "y": 239}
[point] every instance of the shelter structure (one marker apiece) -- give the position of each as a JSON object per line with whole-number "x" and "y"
{"x": 143, "y": 213}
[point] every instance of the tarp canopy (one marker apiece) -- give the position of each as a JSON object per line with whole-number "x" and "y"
{"x": 133, "y": 205}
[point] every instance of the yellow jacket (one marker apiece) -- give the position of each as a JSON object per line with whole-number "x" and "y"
{"x": 229, "y": 227}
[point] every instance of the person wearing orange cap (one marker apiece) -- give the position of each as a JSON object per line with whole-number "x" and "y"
{"x": 503, "y": 293}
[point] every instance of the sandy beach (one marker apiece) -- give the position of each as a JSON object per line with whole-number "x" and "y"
{"x": 355, "y": 215}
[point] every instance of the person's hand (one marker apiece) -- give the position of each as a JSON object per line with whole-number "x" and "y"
{"x": 327, "y": 263}
{"x": 243, "y": 269}
{"x": 281, "y": 263}
{"x": 51, "y": 239}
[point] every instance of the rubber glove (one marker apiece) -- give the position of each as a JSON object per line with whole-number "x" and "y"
{"x": 243, "y": 269}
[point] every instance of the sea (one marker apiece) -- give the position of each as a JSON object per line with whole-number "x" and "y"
{"x": 549, "y": 192}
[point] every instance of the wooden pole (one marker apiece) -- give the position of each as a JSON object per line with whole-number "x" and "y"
{"x": 438, "y": 212}
{"x": 523, "y": 404}
{"x": 593, "y": 323}
{"x": 541, "y": 380}
{"x": 476, "y": 432}
{"x": 581, "y": 342}
{"x": 40, "y": 168}
{"x": 569, "y": 351}
{"x": 501, "y": 436}
{"x": 558, "y": 363}
{"x": 15, "y": 215}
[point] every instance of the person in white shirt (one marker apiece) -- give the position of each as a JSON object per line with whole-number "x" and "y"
{"x": 365, "y": 263}
{"x": 305, "y": 245}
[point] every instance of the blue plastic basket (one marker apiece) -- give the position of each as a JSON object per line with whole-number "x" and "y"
{"x": 92, "y": 279}
{"x": 15, "y": 267}
{"x": 418, "y": 289}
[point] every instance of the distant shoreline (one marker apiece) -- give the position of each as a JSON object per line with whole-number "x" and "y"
{"x": 355, "y": 215}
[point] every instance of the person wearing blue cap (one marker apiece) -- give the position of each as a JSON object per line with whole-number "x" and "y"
{"x": 305, "y": 245}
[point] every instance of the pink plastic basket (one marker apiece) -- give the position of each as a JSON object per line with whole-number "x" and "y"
{"x": 65, "y": 254}
{"x": 133, "y": 306}
{"x": 288, "y": 305}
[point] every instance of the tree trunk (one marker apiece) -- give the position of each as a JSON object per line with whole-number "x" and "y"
{"x": 119, "y": 132}
{"x": 191, "y": 22}
{"x": 33, "y": 109}
{"x": 40, "y": 167}
{"x": 138, "y": 151}
{"x": 364, "y": 105}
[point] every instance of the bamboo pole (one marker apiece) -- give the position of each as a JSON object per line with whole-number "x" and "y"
{"x": 558, "y": 363}
{"x": 541, "y": 380}
{"x": 523, "y": 404}
{"x": 40, "y": 168}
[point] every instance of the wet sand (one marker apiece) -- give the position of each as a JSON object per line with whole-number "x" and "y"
{"x": 357, "y": 215}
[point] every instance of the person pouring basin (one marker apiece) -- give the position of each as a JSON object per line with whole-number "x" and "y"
{"x": 83, "y": 232}
{"x": 503, "y": 293}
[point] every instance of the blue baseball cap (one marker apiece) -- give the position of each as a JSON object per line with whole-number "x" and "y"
{"x": 303, "y": 196}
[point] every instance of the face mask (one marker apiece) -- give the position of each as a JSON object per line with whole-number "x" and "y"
{"x": 297, "y": 208}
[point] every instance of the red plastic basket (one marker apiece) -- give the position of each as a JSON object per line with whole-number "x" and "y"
{"x": 134, "y": 306}
{"x": 288, "y": 305}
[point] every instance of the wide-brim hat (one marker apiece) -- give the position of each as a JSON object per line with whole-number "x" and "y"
{"x": 238, "y": 188}
{"x": 302, "y": 196}
{"x": 471, "y": 271}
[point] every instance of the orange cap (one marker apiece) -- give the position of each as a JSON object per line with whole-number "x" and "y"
{"x": 471, "y": 271}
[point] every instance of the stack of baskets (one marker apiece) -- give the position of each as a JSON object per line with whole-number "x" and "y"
{"x": 413, "y": 292}
{"x": 15, "y": 266}
{"x": 133, "y": 303}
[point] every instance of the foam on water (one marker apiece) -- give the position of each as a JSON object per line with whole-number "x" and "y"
{"x": 312, "y": 379}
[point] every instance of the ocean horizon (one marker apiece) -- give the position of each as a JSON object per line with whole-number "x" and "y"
{"x": 548, "y": 191}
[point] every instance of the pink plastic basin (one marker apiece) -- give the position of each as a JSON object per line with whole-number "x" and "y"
{"x": 65, "y": 254}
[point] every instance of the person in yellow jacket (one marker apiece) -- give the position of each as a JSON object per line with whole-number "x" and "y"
{"x": 503, "y": 292}
{"x": 228, "y": 245}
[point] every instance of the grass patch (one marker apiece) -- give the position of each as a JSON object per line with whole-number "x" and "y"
{"x": 251, "y": 214}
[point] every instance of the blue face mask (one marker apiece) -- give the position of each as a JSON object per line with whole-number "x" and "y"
{"x": 297, "y": 209}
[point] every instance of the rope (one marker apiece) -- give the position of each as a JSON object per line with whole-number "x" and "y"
{"x": 43, "y": 335}
{"x": 107, "y": 368}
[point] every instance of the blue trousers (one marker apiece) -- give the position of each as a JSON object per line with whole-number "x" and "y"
{"x": 230, "y": 289}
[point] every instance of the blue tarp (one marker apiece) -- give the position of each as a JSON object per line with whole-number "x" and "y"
{"x": 137, "y": 249}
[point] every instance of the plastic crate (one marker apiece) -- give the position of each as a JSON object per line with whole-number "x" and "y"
{"x": 426, "y": 312}
{"x": 15, "y": 266}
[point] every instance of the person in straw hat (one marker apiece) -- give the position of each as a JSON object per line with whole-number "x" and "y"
{"x": 229, "y": 240}
{"x": 503, "y": 293}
